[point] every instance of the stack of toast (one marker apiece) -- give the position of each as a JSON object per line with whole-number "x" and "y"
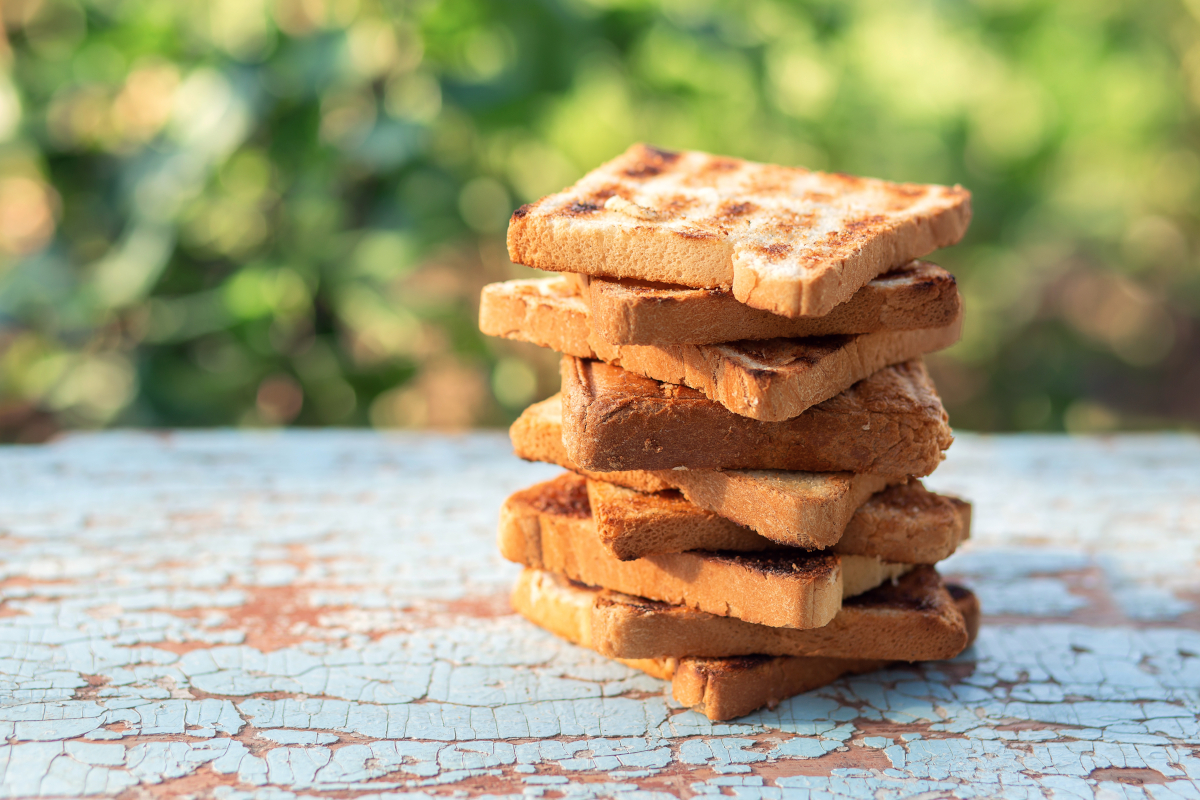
{"x": 744, "y": 419}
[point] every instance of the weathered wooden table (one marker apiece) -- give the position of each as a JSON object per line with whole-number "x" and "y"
{"x": 324, "y": 614}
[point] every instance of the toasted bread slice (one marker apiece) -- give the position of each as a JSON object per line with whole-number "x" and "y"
{"x": 549, "y": 312}
{"x": 800, "y": 509}
{"x": 891, "y": 422}
{"x": 728, "y": 688}
{"x": 721, "y": 688}
{"x": 912, "y": 619}
{"x": 787, "y": 240}
{"x": 905, "y": 523}
{"x": 916, "y": 295}
{"x": 769, "y": 379}
{"x": 549, "y": 526}
{"x": 725, "y": 688}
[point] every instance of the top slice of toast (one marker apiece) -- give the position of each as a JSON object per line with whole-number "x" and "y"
{"x": 785, "y": 239}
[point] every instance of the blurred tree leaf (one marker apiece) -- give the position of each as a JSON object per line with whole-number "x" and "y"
{"x": 265, "y": 213}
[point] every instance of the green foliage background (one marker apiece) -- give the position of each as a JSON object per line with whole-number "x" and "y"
{"x": 261, "y": 212}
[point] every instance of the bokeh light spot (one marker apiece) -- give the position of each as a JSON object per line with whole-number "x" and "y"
{"x": 514, "y": 382}
{"x": 279, "y": 399}
{"x": 485, "y": 205}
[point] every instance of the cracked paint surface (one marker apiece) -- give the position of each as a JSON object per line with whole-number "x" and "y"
{"x": 324, "y": 614}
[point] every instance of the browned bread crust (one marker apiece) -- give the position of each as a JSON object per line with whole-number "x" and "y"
{"x": 904, "y": 523}
{"x": 916, "y": 295}
{"x": 727, "y": 688}
{"x": 968, "y": 604}
{"x": 549, "y": 526}
{"x": 768, "y": 379}
{"x": 891, "y": 422}
{"x": 548, "y": 312}
{"x": 787, "y": 240}
{"x": 908, "y": 519}
{"x": 537, "y": 435}
{"x": 721, "y": 688}
{"x": 912, "y": 619}
{"x": 803, "y": 509}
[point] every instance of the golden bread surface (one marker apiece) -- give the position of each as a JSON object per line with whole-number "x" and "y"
{"x": 785, "y": 239}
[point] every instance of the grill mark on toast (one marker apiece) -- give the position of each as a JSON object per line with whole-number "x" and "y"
{"x": 603, "y": 193}
{"x": 698, "y": 199}
{"x": 774, "y": 252}
{"x": 731, "y": 209}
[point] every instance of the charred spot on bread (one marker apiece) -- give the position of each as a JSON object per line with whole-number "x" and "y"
{"x": 782, "y": 562}
{"x": 957, "y": 592}
{"x": 581, "y": 207}
{"x": 855, "y": 229}
{"x": 916, "y": 591}
{"x": 865, "y": 222}
{"x": 603, "y": 193}
{"x": 770, "y": 354}
{"x": 642, "y": 605}
{"x": 523, "y": 211}
{"x": 654, "y": 161}
{"x": 661, "y": 153}
{"x": 731, "y": 209}
{"x": 574, "y": 584}
{"x": 731, "y": 665}
{"x": 564, "y": 497}
{"x": 775, "y": 251}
